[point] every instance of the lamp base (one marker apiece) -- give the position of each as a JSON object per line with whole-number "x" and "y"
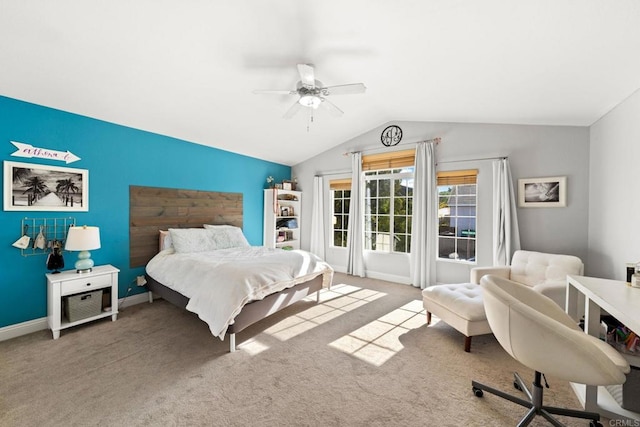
{"x": 84, "y": 264}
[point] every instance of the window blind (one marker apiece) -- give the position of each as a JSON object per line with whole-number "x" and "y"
{"x": 340, "y": 184}
{"x": 468, "y": 176}
{"x": 393, "y": 160}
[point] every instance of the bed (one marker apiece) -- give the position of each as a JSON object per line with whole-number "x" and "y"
{"x": 229, "y": 284}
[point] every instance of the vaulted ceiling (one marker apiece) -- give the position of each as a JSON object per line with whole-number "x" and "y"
{"x": 188, "y": 68}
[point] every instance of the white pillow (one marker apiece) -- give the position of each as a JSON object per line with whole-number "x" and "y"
{"x": 227, "y": 236}
{"x": 187, "y": 240}
{"x": 219, "y": 226}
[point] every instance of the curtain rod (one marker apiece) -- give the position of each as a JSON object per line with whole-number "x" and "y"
{"x": 344, "y": 172}
{"x": 348, "y": 171}
{"x": 437, "y": 140}
{"x": 474, "y": 160}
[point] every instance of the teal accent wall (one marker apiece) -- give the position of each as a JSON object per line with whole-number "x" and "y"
{"x": 116, "y": 157}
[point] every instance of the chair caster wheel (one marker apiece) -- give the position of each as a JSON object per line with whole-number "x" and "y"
{"x": 477, "y": 392}
{"x": 517, "y": 386}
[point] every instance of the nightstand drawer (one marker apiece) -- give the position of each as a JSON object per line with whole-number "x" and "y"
{"x": 85, "y": 284}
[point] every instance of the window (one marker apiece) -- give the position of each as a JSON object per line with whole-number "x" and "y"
{"x": 340, "y": 199}
{"x": 388, "y": 209}
{"x": 457, "y": 215}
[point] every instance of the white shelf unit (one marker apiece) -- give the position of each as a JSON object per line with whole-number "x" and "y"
{"x": 282, "y": 210}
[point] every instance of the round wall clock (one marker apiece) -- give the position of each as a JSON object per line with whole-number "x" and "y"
{"x": 391, "y": 135}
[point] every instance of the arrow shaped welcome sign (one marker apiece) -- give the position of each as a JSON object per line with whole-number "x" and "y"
{"x": 29, "y": 151}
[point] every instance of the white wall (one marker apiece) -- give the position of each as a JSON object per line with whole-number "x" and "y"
{"x": 614, "y": 206}
{"x": 533, "y": 151}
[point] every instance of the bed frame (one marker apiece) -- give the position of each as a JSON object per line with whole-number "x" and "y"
{"x": 252, "y": 312}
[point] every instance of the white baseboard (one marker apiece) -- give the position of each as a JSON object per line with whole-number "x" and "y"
{"x": 388, "y": 277}
{"x": 35, "y": 325}
{"x": 24, "y": 328}
{"x": 133, "y": 300}
{"x": 339, "y": 268}
{"x": 374, "y": 275}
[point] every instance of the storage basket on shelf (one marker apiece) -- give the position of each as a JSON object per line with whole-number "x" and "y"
{"x": 81, "y": 306}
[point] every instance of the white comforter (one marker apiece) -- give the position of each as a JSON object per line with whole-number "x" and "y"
{"x": 219, "y": 283}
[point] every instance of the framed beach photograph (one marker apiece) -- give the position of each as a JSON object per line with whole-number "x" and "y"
{"x": 542, "y": 192}
{"x": 32, "y": 187}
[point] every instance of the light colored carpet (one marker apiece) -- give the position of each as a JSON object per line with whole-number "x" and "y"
{"x": 363, "y": 357}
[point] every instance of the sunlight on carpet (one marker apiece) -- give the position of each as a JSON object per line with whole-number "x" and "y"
{"x": 253, "y": 346}
{"x": 334, "y": 302}
{"x": 379, "y": 341}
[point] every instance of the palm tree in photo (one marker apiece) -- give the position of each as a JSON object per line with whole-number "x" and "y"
{"x": 20, "y": 174}
{"x": 66, "y": 187}
{"x": 36, "y": 187}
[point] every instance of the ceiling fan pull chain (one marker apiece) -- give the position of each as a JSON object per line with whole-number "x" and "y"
{"x": 310, "y": 120}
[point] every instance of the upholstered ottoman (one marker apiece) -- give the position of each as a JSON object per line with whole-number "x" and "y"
{"x": 460, "y": 305}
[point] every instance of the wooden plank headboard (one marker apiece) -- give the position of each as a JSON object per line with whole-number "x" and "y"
{"x": 152, "y": 209}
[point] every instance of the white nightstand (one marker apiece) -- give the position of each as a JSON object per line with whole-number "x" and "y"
{"x": 68, "y": 283}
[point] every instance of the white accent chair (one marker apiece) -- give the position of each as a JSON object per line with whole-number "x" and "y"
{"x": 539, "y": 334}
{"x": 460, "y": 305}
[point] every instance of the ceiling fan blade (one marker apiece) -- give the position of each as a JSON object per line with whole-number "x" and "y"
{"x": 331, "y": 108}
{"x": 277, "y": 92}
{"x": 307, "y": 76}
{"x": 293, "y": 110}
{"x": 344, "y": 89}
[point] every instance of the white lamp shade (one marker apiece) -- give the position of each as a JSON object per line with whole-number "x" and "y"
{"x": 82, "y": 238}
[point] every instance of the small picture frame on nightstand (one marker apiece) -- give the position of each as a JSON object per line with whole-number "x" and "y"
{"x": 286, "y": 186}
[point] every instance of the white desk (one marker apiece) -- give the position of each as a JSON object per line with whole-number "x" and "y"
{"x": 622, "y": 302}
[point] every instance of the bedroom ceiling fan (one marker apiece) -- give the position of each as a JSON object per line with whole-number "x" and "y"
{"x": 312, "y": 94}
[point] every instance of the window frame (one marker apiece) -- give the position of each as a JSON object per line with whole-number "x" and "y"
{"x": 332, "y": 212}
{"x": 455, "y": 180}
{"x": 389, "y": 174}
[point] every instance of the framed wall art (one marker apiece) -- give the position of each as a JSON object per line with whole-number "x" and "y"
{"x": 33, "y": 187}
{"x": 542, "y": 192}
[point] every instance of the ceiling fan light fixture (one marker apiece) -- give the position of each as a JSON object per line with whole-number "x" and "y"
{"x": 312, "y": 101}
{"x": 312, "y": 93}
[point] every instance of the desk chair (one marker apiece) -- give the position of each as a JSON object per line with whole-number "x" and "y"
{"x": 539, "y": 334}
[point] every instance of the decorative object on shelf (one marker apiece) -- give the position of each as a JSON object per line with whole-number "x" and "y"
{"x": 31, "y": 187}
{"x": 83, "y": 239}
{"x": 55, "y": 261}
{"x": 289, "y": 185}
{"x": 542, "y": 192}
{"x": 270, "y": 180}
{"x": 391, "y": 136}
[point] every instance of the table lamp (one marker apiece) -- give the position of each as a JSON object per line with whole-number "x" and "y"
{"x": 83, "y": 239}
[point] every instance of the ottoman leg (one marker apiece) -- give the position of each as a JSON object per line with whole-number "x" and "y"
{"x": 428, "y": 318}
{"x": 467, "y": 344}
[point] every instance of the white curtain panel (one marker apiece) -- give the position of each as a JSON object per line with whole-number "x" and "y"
{"x": 424, "y": 226}
{"x": 355, "y": 229}
{"x": 317, "y": 218}
{"x": 506, "y": 235}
